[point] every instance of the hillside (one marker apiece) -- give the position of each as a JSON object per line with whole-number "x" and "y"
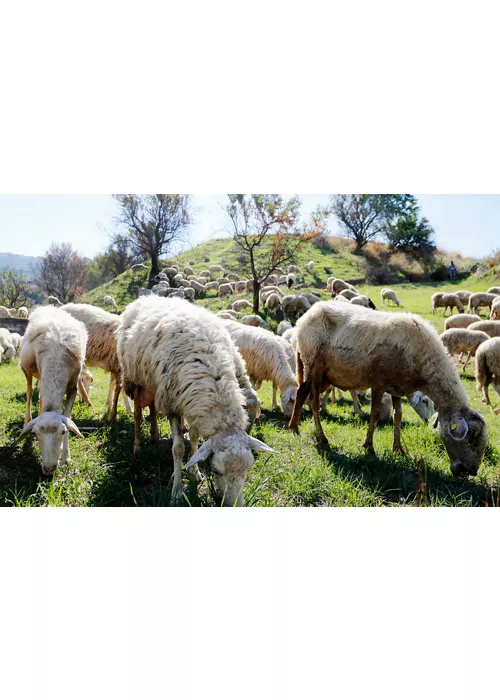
{"x": 22, "y": 263}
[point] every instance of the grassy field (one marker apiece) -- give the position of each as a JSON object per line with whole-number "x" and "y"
{"x": 103, "y": 472}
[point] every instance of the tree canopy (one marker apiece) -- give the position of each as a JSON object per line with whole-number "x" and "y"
{"x": 62, "y": 272}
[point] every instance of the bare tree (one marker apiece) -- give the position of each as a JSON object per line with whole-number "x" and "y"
{"x": 13, "y": 288}
{"x": 154, "y": 222}
{"x": 62, "y": 272}
{"x": 268, "y": 230}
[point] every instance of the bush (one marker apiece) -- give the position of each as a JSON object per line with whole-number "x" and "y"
{"x": 378, "y": 271}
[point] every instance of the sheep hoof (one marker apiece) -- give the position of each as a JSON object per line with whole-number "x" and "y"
{"x": 323, "y": 442}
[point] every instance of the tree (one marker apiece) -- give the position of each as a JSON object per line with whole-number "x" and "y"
{"x": 117, "y": 258}
{"x": 154, "y": 222}
{"x": 269, "y": 233}
{"x": 62, "y": 272}
{"x": 412, "y": 236}
{"x": 364, "y": 217}
{"x": 13, "y": 288}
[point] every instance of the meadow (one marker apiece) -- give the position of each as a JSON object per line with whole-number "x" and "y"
{"x": 103, "y": 471}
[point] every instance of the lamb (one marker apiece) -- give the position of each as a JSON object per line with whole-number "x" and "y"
{"x": 225, "y": 289}
{"x": 348, "y": 294}
{"x": 294, "y": 306}
{"x": 23, "y": 312}
{"x": 101, "y": 347}
{"x": 365, "y": 301}
{"x": 492, "y": 328}
{"x": 444, "y": 300}
{"x": 215, "y": 269}
{"x": 290, "y": 280}
{"x": 463, "y": 295}
{"x": 463, "y": 340}
{"x": 494, "y": 290}
{"x": 402, "y": 354}
{"x": 4, "y": 312}
{"x": 138, "y": 268}
{"x": 389, "y": 295}
{"x": 7, "y": 348}
{"x": 460, "y": 321}
{"x": 495, "y": 311}
{"x": 266, "y": 360}
{"x": 179, "y": 359}
{"x": 53, "y": 351}
{"x": 310, "y": 267}
{"x": 109, "y": 301}
{"x": 488, "y": 369}
{"x": 481, "y": 299}
{"x": 283, "y": 327}
{"x": 255, "y": 321}
{"x": 273, "y": 302}
{"x": 53, "y": 301}
{"x": 188, "y": 271}
{"x": 241, "y": 305}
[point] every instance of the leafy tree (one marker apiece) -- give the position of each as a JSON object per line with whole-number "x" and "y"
{"x": 268, "y": 230}
{"x": 412, "y": 236}
{"x": 13, "y": 288}
{"x": 117, "y": 258}
{"x": 364, "y": 217}
{"x": 154, "y": 222}
{"x": 62, "y": 272}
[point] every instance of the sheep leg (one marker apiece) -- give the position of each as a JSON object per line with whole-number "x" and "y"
{"x": 301, "y": 398}
{"x": 83, "y": 393}
{"x": 153, "y": 423}
{"x": 275, "y": 401}
{"x": 116, "y": 395}
{"x": 398, "y": 416}
{"x": 324, "y": 400}
{"x": 178, "y": 454}
{"x": 487, "y": 395}
{"x": 467, "y": 362}
{"x": 126, "y": 401}
{"x": 355, "y": 405}
{"x": 314, "y": 402}
{"x": 194, "y": 471}
{"x": 29, "y": 396}
{"x": 110, "y": 390}
{"x": 70, "y": 400}
{"x": 375, "y": 414}
{"x": 137, "y": 423}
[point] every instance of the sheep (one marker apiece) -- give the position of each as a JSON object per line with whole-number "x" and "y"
{"x": 289, "y": 335}
{"x": 223, "y": 280}
{"x": 266, "y": 359}
{"x": 310, "y": 267}
{"x": 481, "y": 299}
{"x": 365, "y": 301}
{"x": 233, "y": 278}
{"x": 311, "y": 298}
{"x": 138, "y": 268}
{"x": 23, "y": 312}
{"x": 109, "y": 301}
{"x": 202, "y": 280}
{"x": 176, "y": 293}
{"x": 294, "y": 306}
{"x": 463, "y": 295}
{"x": 240, "y": 305}
{"x": 144, "y": 292}
{"x": 348, "y": 294}
{"x": 271, "y": 280}
{"x": 225, "y": 315}
{"x": 178, "y": 279}
{"x": 255, "y": 321}
{"x": 7, "y": 347}
{"x": 240, "y": 286}
{"x": 445, "y": 301}
{"x": 206, "y": 274}
{"x": 273, "y": 302}
{"x": 211, "y": 286}
{"x": 84, "y": 383}
{"x": 231, "y": 313}
{"x": 159, "y": 289}
{"x": 53, "y": 301}
{"x": 389, "y": 295}
{"x": 200, "y": 289}
{"x": 225, "y": 289}
{"x": 495, "y": 311}
{"x": 171, "y": 272}
{"x": 179, "y": 359}
{"x": 161, "y": 277}
{"x": 294, "y": 270}
{"x": 185, "y": 283}
{"x": 250, "y": 285}
{"x": 341, "y": 299}
{"x": 189, "y": 294}
{"x": 273, "y": 289}
{"x": 487, "y": 369}
{"x": 494, "y": 290}
{"x": 214, "y": 269}
{"x": 492, "y": 328}
{"x": 188, "y": 271}
{"x": 53, "y": 351}
{"x": 338, "y": 285}
{"x": 192, "y": 277}
{"x": 101, "y": 347}
{"x": 460, "y": 321}
{"x": 421, "y": 404}
{"x": 463, "y": 340}
{"x": 290, "y": 280}
{"x": 354, "y": 349}
{"x": 175, "y": 269}
{"x": 282, "y": 279}
{"x": 283, "y": 327}
{"x": 4, "y": 312}
{"x": 16, "y": 340}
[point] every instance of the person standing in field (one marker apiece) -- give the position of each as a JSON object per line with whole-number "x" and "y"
{"x": 453, "y": 271}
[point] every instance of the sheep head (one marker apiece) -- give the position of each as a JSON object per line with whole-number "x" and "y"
{"x": 465, "y": 435}
{"x": 50, "y": 429}
{"x": 288, "y": 401}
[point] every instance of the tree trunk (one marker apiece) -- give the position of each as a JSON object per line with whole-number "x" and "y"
{"x": 256, "y": 300}
{"x": 155, "y": 270}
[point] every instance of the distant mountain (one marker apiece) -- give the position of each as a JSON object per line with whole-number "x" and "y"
{"x": 22, "y": 263}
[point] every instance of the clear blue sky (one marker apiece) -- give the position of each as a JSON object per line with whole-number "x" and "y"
{"x": 469, "y": 224}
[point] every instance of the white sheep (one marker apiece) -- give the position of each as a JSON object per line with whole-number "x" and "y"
{"x": 421, "y": 404}
{"x": 335, "y": 286}
{"x": 178, "y": 279}
{"x": 223, "y": 280}
{"x": 481, "y": 299}
{"x": 348, "y": 294}
{"x": 355, "y": 349}
{"x": 494, "y": 290}
{"x": 23, "y": 312}
{"x": 4, "y": 312}
{"x": 240, "y": 286}
{"x": 295, "y": 306}
{"x": 16, "y": 342}
{"x": 460, "y": 321}
{"x": 179, "y": 360}
{"x": 463, "y": 340}
{"x": 211, "y": 286}
{"x": 216, "y": 269}
{"x": 310, "y": 267}
{"x": 283, "y": 327}
{"x": 189, "y": 294}
{"x": 109, "y": 301}
{"x": 241, "y": 305}
{"x": 266, "y": 359}
{"x": 206, "y": 274}
{"x": 7, "y": 347}
{"x": 225, "y": 289}
{"x": 389, "y": 295}
{"x": 294, "y": 270}
{"x": 463, "y": 295}
{"x": 492, "y": 328}
{"x": 495, "y": 310}
{"x": 188, "y": 271}
{"x": 199, "y": 288}
{"x": 139, "y": 267}
{"x": 255, "y": 321}
{"x": 290, "y": 280}
{"x": 488, "y": 368}
{"x": 363, "y": 300}
{"x": 233, "y": 277}
{"x": 273, "y": 302}
{"x": 53, "y": 351}
{"x": 443, "y": 300}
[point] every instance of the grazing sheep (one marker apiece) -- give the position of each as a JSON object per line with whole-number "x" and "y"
{"x": 159, "y": 289}
{"x": 463, "y": 295}
{"x": 162, "y": 277}
{"x": 179, "y": 359}
{"x": 4, "y": 312}
{"x": 23, "y": 312}
{"x": 171, "y": 272}
{"x": 101, "y": 347}
{"x": 233, "y": 278}
{"x": 53, "y": 301}
{"x": 290, "y": 280}
{"x": 200, "y": 289}
{"x": 295, "y": 306}
{"x": 282, "y": 279}
{"x": 338, "y": 285}
{"x": 494, "y": 290}
{"x": 109, "y": 301}
{"x": 241, "y": 305}
{"x": 488, "y": 369}
{"x": 310, "y": 266}
{"x": 273, "y": 302}
{"x": 223, "y": 280}
{"x": 265, "y": 291}
{"x": 240, "y": 286}
{"x": 283, "y": 327}
{"x": 225, "y": 315}
{"x": 144, "y": 292}
{"x": 188, "y": 271}
{"x": 216, "y": 269}
{"x": 271, "y": 280}
{"x": 495, "y": 310}
{"x": 175, "y": 268}
{"x": 342, "y": 299}
{"x": 250, "y": 285}
{"x": 294, "y": 270}
{"x": 481, "y": 299}
{"x": 178, "y": 279}
{"x": 354, "y": 349}
{"x": 492, "y": 328}
{"x": 185, "y": 283}
{"x": 206, "y": 274}
{"x": 442, "y": 300}
{"x": 16, "y": 342}
{"x": 311, "y": 298}
{"x": 463, "y": 340}
{"x": 225, "y": 289}
{"x": 138, "y": 268}
{"x": 7, "y": 347}
{"x": 211, "y": 286}
{"x": 189, "y": 294}
{"x": 460, "y": 321}
{"x": 389, "y": 295}
{"x": 363, "y": 300}
{"x": 421, "y": 404}
{"x": 255, "y": 321}
{"x": 53, "y": 351}
{"x": 348, "y": 294}
{"x": 266, "y": 359}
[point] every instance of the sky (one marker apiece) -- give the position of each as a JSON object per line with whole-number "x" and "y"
{"x": 468, "y": 224}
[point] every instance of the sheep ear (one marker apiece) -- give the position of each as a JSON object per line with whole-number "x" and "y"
{"x": 458, "y": 428}
{"x": 258, "y": 446}
{"x": 71, "y": 426}
{"x": 27, "y": 430}
{"x": 201, "y": 455}
{"x": 415, "y": 399}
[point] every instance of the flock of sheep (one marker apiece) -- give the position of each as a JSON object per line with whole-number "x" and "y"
{"x": 203, "y": 370}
